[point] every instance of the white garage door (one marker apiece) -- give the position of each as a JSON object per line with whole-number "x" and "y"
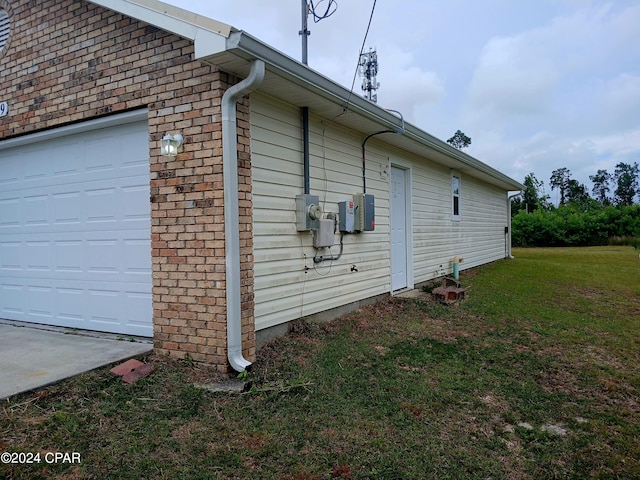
{"x": 75, "y": 229}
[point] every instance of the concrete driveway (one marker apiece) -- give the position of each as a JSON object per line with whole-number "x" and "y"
{"x": 33, "y": 356}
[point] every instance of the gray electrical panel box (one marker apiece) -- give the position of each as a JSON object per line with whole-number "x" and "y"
{"x": 308, "y": 212}
{"x": 324, "y": 236}
{"x": 346, "y": 217}
{"x": 365, "y": 219}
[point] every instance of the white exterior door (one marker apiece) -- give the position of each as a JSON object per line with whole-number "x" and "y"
{"x": 75, "y": 230}
{"x": 399, "y": 247}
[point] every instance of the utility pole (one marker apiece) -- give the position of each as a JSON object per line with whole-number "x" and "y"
{"x": 368, "y": 68}
{"x": 305, "y": 31}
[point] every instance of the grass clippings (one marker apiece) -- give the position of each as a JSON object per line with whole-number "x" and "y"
{"x": 534, "y": 376}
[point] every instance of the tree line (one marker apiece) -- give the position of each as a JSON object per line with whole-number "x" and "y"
{"x": 606, "y": 214}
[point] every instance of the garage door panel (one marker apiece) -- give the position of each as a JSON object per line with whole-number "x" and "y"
{"x": 12, "y": 298}
{"x": 102, "y": 204}
{"x": 135, "y": 203}
{"x": 72, "y": 305}
{"x": 12, "y": 171}
{"x": 34, "y": 169}
{"x": 10, "y": 212}
{"x": 136, "y": 257}
{"x": 86, "y": 255}
{"x": 38, "y": 256}
{"x": 102, "y": 256}
{"x": 40, "y": 300}
{"x": 10, "y": 257}
{"x": 75, "y": 244}
{"x": 67, "y": 208}
{"x": 63, "y": 157}
{"x": 101, "y": 306}
{"x": 106, "y": 306}
{"x": 68, "y": 256}
{"x": 35, "y": 209}
{"x": 101, "y": 160}
{"x": 135, "y": 305}
{"x": 55, "y": 208}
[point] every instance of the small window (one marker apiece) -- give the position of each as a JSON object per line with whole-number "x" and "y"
{"x": 455, "y": 196}
{"x": 4, "y": 28}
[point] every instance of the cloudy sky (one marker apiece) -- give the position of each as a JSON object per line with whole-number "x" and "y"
{"x": 536, "y": 84}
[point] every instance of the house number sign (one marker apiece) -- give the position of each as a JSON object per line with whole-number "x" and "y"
{"x": 4, "y": 108}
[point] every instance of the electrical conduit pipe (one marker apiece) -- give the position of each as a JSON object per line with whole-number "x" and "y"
{"x": 231, "y": 216}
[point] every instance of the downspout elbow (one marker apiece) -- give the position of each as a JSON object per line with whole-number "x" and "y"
{"x": 231, "y": 215}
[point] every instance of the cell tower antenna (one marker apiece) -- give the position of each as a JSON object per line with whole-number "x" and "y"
{"x": 368, "y": 68}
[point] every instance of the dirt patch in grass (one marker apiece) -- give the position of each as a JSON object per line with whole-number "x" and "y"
{"x": 601, "y": 357}
{"x": 560, "y": 380}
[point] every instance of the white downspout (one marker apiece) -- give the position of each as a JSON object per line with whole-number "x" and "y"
{"x": 509, "y": 198}
{"x": 231, "y": 216}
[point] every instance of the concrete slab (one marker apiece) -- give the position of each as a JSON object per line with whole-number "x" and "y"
{"x": 414, "y": 293}
{"x": 32, "y": 357}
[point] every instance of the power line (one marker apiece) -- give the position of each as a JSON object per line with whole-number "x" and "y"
{"x": 332, "y": 6}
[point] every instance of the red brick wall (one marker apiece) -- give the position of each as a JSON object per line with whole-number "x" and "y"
{"x": 70, "y": 61}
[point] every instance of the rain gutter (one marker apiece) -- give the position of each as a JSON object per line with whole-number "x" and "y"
{"x": 231, "y": 216}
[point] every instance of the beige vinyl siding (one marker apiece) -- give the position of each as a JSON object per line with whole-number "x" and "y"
{"x": 283, "y": 289}
{"x": 479, "y": 235}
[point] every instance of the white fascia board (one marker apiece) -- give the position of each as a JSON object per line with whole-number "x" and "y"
{"x": 169, "y": 18}
{"x": 207, "y": 43}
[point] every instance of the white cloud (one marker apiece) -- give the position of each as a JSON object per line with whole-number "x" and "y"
{"x": 511, "y": 79}
{"x": 405, "y": 86}
{"x": 619, "y": 102}
{"x": 535, "y": 72}
{"x": 564, "y": 94}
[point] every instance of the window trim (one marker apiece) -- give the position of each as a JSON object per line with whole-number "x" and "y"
{"x": 456, "y": 197}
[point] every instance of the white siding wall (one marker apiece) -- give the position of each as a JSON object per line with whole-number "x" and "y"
{"x": 283, "y": 289}
{"x": 478, "y": 237}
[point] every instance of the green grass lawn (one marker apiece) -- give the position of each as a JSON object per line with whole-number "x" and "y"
{"x": 535, "y": 376}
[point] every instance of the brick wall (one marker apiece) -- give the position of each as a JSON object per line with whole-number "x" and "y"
{"x": 70, "y": 61}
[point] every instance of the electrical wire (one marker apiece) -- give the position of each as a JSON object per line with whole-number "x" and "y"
{"x": 315, "y": 268}
{"x": 321, "y": 258}
{"x": 304, "y": 282}
{"x": 332, "y": 6}
{"x": 355, "y": 73}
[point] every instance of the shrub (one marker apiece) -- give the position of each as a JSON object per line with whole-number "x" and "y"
{"x": 571, "y": 225}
